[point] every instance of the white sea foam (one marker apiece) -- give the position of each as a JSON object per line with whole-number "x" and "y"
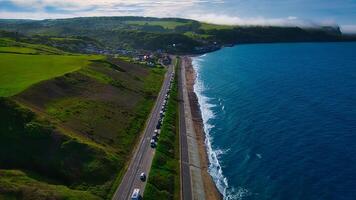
{"x": 215, "y": 169}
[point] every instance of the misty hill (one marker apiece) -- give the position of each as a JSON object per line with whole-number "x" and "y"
{"x": 170, "y": 34}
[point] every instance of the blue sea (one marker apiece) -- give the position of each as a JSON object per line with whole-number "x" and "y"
{"x": 280, "y": 120}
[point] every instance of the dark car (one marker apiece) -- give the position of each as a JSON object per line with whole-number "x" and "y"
{"x": 143, "y": 177}
{"x": 155, "y": 137}
{"x": 153, "y": 143}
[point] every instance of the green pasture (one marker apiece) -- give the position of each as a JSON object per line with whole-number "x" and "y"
{"x": 18, "y": 72}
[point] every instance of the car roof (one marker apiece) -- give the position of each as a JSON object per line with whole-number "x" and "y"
{"x": 136, "y": 193}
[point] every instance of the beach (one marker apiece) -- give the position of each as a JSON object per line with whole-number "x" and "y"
{"x": 211, "y": 192}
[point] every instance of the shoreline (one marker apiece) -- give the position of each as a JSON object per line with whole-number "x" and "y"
{"x": 211, "y": 191}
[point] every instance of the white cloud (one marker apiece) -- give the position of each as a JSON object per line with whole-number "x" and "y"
{"x": 34, "y": 15}
{"x": 292, "y": 18}
{"x": 234, "y": 20}
{"x": 348, "y": 29}
{"x": 111, "y": 4}
{"x": 152, "y": 8}
{"x": 70, "y": 8}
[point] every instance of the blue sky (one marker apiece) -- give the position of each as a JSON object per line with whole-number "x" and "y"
{"x": 255, "y": 12}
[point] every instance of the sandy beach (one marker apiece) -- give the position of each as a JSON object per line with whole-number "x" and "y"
{"x": 211, "y": 192}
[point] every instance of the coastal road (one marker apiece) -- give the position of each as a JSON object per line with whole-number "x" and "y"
{"x": 143, "y": 156}
{"x": 186, "y": 187}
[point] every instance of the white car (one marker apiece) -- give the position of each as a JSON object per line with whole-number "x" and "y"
{"x": 136, "y": 194}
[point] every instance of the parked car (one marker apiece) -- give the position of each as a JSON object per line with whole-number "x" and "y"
{"x": 153, "y": 143}
{"x": 155, "y": 136}
{"x": 136, "y": 194}
{"x": 143, "y": 177}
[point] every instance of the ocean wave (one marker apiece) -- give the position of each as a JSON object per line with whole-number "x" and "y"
{"x": 215, "y": 170}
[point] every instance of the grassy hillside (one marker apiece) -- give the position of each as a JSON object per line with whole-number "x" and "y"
{"x": 16, "y": 184}
{"x": 68, "y": 122}
{"x": 50, "y": 44}
{"x": 18, "y": 50}
{"x": 18, "y": 72}
{"x": 10, "y": 45}
{"x": 188, "y": 36}
{"x": 30, "y": 142}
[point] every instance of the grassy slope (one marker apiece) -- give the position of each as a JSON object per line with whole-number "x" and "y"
{"x": 16, "y": 184}
{"x": 164, "y": 178}
{"x": 8, "y": 43}
{"x": 20, "y": 50}
{"x": 31, "y": 143}
{"x": 18, "y": 72}
{"x": 22, "y": 64}
{"x": 75, "y": 131}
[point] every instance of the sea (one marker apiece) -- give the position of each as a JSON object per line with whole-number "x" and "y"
{"x": 280, "y": 120}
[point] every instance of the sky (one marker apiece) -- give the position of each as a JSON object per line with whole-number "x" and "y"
{"x": 242, "y": 12}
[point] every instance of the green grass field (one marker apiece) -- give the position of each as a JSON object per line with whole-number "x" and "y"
{"x": 26, "y": 48}
{"x": 21, "y": 50}
{"x": 18, "y": 72}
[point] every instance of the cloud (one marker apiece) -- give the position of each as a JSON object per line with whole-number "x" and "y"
{"x": 292, "y": 18}
{"x": 40, "y": 9}
{"x": 194, "y": 9}
{"x": 147, "y": 6}
{"x": 234, "y": 20}
{"x": 348, "y": 29}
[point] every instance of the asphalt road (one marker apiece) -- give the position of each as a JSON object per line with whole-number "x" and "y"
{"x": 186, "y": 187}
{"x": 143, "y": 156}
